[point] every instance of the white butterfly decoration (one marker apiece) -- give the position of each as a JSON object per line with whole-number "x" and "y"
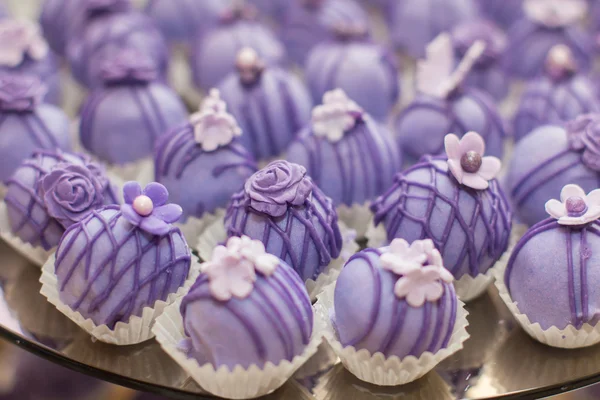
{"x": 436, "y": 74}
{"x": 555, "y": 13}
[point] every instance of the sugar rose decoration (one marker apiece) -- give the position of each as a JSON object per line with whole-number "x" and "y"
{"x": 70, "y": 192}
{"x": 213, "y": 125}
{"x": 575, "y": 207}
{"x": 20, "y": 39}
{"x": 467, "y": 163}
{"x": 276, "y": 186}
{"x": 337, "y": 115}
{"x": 420, "y": 268}
{"x": 584, "y": 136}
{"x": 20, "y": 93}
{"x": 233, "y": 268}
{"x": 148, "y": 208}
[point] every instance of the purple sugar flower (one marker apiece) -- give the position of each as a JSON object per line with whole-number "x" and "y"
{"x": 129, "y": 66}
{"x": 148, "y": 209}
{"x": 20, "y": 93}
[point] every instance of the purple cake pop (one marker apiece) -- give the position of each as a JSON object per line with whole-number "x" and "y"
{"x": 23, "y": 50}
{"x": 504, "y": 12}
{"x": 348, "y": 154}
{"x": 201, "y": 163}
{"x": 487, "y": 73}
{"x": 366, "y": 71}
{"x": 551, "y": 274}
{"x": 550, "y": 158}
{"x": 121, "y": 121}
{"x": 105, "y": 38}
{"x": 443, "y": 106}
{"x": 397, "y": 301}
{"x": 547, "y": 23}
{"x": 557, "y": 97}
{"x": 51, "y": 191}
{"x": 270, "y": 104}
{"x": 454, "y": 201}
{"x": 275, "y": 9}
{"x": 247, "y": 308}
{"x": 215, "y": 51}
{"x": 415, "y": 23}
{"x": 307, "y": 23}
{"x": 26, "y": 123}
{"x": 281, "y": 206}
{"x": 138, "y": 257}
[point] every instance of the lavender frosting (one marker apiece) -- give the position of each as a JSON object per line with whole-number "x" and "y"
{"x": 504, "y": 12}
{"x": 20, "y": 93}
{"x": 52, "y": 190}
{"x": 368, "y": 315}
{"x": 135, "y": 268}
{"x": 128, "y": 67}
{"x": 470, "y": 228}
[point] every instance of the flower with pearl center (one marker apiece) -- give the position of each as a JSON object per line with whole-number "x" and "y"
{"x": 337, "y": 115}
{"x": 575, "y": 207}
{"x": 213, "y": 126}
{"x": 467, "y": 163}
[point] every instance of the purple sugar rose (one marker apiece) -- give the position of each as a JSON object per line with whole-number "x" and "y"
{"x": 20, "y": 92}
{"x": 129, "y": 66}
{"x": 280, "y": 183}
{"x": 584, "y": 136}
{"x": 70, "y": 192}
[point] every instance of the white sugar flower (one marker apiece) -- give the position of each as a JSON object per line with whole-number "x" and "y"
{"x": 575, "y": 207}
{"x": 337, "y": 115}
{"x": 213, "y": 125}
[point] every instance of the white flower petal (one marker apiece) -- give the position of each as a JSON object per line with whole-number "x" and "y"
{"x": 593, "y": 198}
{"x": 456, "y": 169}
{"x": 472, "y": 141}
{"x": 474, "y": 181}
{"x": 452, "y": 146}
{"x": 571, "y": 190}
{"x": 490, "y": 167}
{"x": 555, "y": 208}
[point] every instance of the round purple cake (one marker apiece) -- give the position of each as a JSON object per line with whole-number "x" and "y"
{"x": 468, "y": 219}
{"x": 282, "y": 207}
{"x": 557, "y": 97}
{"x": 121, "y": 120}
{"x": 366, "y": 71}
{"x": 26, "y": 123}
{"x": 204, "y": 151}
{"x": 397, "y": 301}
{"x": 549, "y": 158}
{"x": 105, "y": 38}
{"x": 351, "y": 156}
{"x": 246, "y": 308}
{"x": 306, "y": 23}
{"x": 270, "y": 104}
{"x": 215, "y": 52}
{"x": 487, "y": 73}
{"x": 139, "y": 257}
{"x": 504, "y": 12}
{"x": 51, "y": 191}
{"x": 23, "y": 50}
{"x": 415, "y": 23}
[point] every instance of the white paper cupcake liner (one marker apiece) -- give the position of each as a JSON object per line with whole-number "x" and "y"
{"x": 36, "y": 254}
{"x": 216, "y": 234}
{"x": 137, "y": 330}
{"x": 357, "y": 217}
{"x": 321, "y": 361}
{"x": 237, "y": 384}
{"x": 193, "y": 227}
{"x": 376, "y": 368}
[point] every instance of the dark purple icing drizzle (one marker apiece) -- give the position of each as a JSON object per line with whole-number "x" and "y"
{"x": 329, "y": 247}
{"x": 347, "y": 32}
{"x": 237, "y": 12}
{"x": 110, "y": 261}
{"x": 98, "y": 8}
{"x": 578, "y": 302}
{"x": 20, "y": 93}
{"x": 494, "y": 195}
{"x": 129, "y": 66}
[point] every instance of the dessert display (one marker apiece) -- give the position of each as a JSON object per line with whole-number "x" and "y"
{"x": 26, "y": 122}
{"x": 549, "y": 280}
{"x": 348, "y": 154}
{"x": 368, "y": 72}
{"x": 504, "y": 13}
{"x": 269, "y": 103}
{"x": 444, "y": 106}
{"x": 550, "y": 158}
{"x": 557, "y": 97}
{"x": 547, "y": 23}
{"x": 456, "y": 201}
{"x": 202, "y": 163}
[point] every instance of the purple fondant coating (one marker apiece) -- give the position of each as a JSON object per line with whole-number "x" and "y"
{"x": 200, "y": 181}
{"x": 542, "y": 163}
{"x": 433, "y": 118}
{"x": 307, "y": 236}
{"x": 308, "y": 23}
{"x": 106, "y": 37}
{"x": 551, "y": 274}
{"x": 355, "y": 169}
{"x": 46, "y": 127}
{"x": 27, "y": 213}
{"x": 368, "y": 315}
{"x": 215, "y": 52}
{"x": 274, "y": 323}
{"x": 366, "y": 71}
{"x": 109, "y": 270}
{"x": 529, "y": 44}
{"x": 505, "y": 12}
{"x": 415, "y": 23}
{"x": 274, "y": 9}
{"x": 471, "y": 228}
{"x": 120, "y": 124}
{"x": 548, "y": 101}
{"x": 270, "y": 112}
